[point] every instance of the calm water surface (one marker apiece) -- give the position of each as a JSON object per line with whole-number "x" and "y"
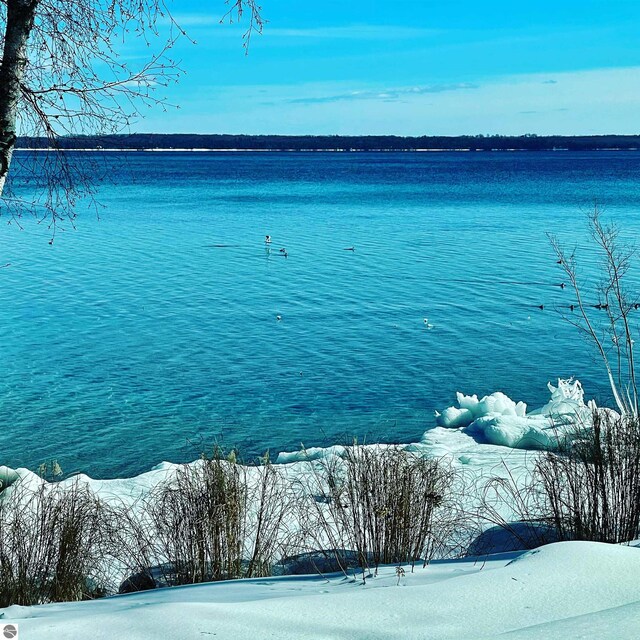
{"x": 153, "y": 331}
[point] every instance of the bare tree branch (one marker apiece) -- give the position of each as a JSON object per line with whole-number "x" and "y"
{"x": 62, "y": 73}
{"x": 615, "y": 301}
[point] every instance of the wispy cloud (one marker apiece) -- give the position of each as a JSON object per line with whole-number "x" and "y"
{"x": 594, "y": 101}
{"x": 343, "y": 32}
{"x": 356, "y": 31}
{"x": 386, "y": 95}
{"x": 195, "y": 19}
{"x": 543, "y": 111}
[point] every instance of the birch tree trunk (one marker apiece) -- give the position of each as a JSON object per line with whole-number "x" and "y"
{"x": 20, "y": 15}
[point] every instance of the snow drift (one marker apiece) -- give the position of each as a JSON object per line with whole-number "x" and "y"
{"x": 564, "y": 590}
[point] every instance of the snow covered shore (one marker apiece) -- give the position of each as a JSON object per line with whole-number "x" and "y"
{"x": 565, "y": 590}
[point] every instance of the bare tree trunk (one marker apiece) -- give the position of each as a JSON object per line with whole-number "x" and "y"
{"x": 20, "y": 15}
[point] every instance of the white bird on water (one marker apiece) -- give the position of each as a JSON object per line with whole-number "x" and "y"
{"x": 427, "y": 324}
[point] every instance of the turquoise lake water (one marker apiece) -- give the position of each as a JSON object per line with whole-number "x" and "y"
{"x": 135, "y": 339}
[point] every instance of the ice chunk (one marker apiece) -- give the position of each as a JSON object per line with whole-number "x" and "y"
{"x": 470, "y": 408}
{"x": 467, "y": 402}
{"x": 497, "y": 402}
{"x": 7, "y": 476}
{"x": 452, "y": 418}
{"x": 521, "y": 409}
{"x": 497, "y": 419}
{"x": 515, "y": 431}
{"x": 567, "y": 399}
{"x": 312, "y": 453}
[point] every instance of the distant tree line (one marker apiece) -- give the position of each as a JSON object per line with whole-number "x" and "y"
{"x": 527, "y": 142}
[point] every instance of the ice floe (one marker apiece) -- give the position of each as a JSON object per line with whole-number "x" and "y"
{"x": 497, "y": 419}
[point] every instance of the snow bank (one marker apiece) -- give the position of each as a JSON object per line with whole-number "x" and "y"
{"x": 557, "y": 591}
{"x": 498, "y": 420}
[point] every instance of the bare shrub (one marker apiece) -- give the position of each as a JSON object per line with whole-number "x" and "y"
{"x": 198, "y": 520}
{"x": 609, "y": 325}
{"x": 268, "y": 530}
{"x": 589, "y": 489}
{"x": 592, "y": 485}
{"x": 379, "y": 501}
{"x": 50, "y": 544}
{"x": 214, "y": 520}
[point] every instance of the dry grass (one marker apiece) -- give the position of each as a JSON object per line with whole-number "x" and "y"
{"x": 591, "y": 487}
{"x": 51, "y": 544}
{"x": 381, "y": 502}
{"x": 219, "y": 520}
{"x": 193, "y": 525}
{"x": 269, "y": 534}
{"x": 214, "y": 520}
{"x": 527, "y": 525}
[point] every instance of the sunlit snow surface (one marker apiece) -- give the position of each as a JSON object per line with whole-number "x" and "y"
{"x": 564, "y": 590}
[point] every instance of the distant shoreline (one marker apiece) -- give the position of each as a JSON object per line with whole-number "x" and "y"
{"x": 248, "y": 150}
{"x": 226, "y": 143}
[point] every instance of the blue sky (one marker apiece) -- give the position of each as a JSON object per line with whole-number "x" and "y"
{"x": 419, "y": 68}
